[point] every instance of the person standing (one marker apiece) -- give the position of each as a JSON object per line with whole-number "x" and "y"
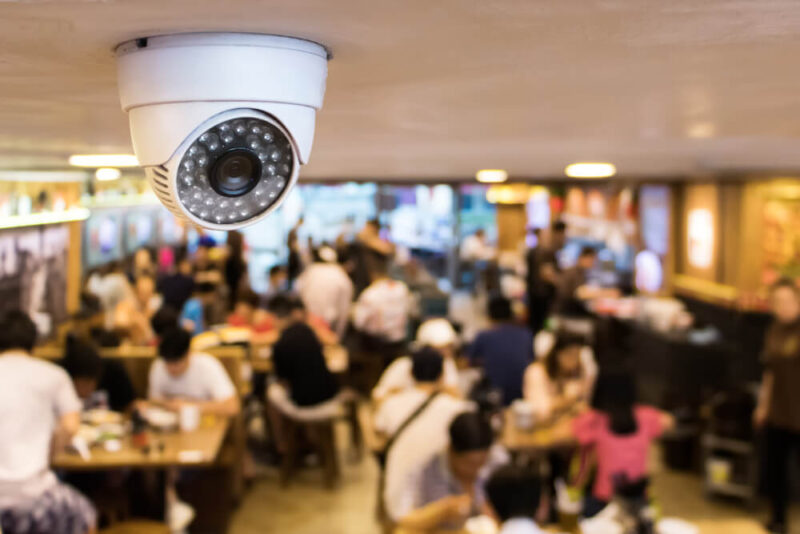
{"x": 542, "y": 270}
{"x": 37, "y": 402}
{"x": 369, "y": 250}
{"x": 295, "y": 259}
{"x": 326, "y": 290}
{"x": 476, "y": 248}
{"x": 235, "y": 266}
{"x": 570, "y": 287}
{"x": 778, "y": 409}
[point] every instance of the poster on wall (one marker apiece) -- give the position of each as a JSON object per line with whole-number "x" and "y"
{"x": 781, "y": 240}
{"x": 103, "y": 238}
{"x": 140, "y": 229}
{"x": 33, "y": 274}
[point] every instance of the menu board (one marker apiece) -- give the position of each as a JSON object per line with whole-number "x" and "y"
{"x": 654, "y": 215}
{"x": 780, "y": 242}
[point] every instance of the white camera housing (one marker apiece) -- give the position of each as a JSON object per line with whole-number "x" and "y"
{"x": 259, "y": 92}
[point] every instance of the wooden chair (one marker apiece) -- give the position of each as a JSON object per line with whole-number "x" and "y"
{"x": 323, "y": 439}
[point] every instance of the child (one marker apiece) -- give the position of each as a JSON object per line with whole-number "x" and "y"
{"x": 514, "y": 494}
{"x": 620, "y": 433}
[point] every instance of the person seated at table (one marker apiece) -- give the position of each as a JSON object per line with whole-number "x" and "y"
{"x": 514, "y": 493}
{"x": 246, "y": 314}
{"x": 206, "y": 271}
{"x": 132, "y": 315}
{"x": 178, "y": 286}
{"x": 179, "y": 377}
{"x": 164, "y": 319}
{"x": 428, "y": 388}
{"x": 304, "y": 380}
{"x": 448, "y": 488}
{"x": 619, "y": 432}
{"x": 381, "y": 314}
{"x": 560, "y": 383}
{"x": 37, "y": 402}
{"x": 277, "y": 284}
{"x": 398, "y": 377}
{"x": 503, "y": 351}
{"x": 319, "y": 325}
{"x": 99, "y": 382}
{"x": 89, "y": 322}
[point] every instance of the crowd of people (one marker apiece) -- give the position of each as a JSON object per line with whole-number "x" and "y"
{"x": 434, "y": 402}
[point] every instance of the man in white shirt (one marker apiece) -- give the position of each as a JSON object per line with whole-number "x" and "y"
{"x": 514, "y": 493}
{"x": 448, "y": 488}
{"x": 435, "y": 333}
{"x": 37, "y": 402}
{"x": 476, "y": 248}
{"x": 326, "y": 290}
{"x": 425, "y": 436}
{"x": 381, "y": 314}
{"x": 179, "y": 377}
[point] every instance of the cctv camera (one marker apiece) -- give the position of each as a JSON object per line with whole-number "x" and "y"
{"x": 221, "y": 122}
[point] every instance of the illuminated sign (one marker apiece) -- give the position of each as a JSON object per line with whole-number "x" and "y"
{"x": 701, "y": 238}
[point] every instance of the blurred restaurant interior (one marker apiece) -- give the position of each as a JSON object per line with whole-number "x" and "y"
{"x": 540, "y": 274}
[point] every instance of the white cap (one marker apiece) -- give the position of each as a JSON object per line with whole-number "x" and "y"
{"x": 327, "y": 254}
{"x": 436, "y": 333}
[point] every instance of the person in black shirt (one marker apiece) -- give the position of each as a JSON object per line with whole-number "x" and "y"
{"x": 235, "y": 266}
{"x": 100, "y": 383}
{"x": 299, "y": 359}
{"x": 177, "y": 287}
{"x": 542, "y": 271}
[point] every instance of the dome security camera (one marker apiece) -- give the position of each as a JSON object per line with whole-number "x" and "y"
{"x": 221, "y": 122}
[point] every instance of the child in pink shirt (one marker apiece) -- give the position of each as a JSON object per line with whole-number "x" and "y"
{"x": 620, "y": 433}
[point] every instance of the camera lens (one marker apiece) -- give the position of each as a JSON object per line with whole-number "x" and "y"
{"x": 235, "y": 173}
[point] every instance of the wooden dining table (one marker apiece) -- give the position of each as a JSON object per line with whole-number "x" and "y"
{"x": 542, "y": 437}
{"x": 195, "y": 449}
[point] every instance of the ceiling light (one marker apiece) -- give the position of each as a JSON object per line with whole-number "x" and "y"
{"x": 107, "y": 174}
{"x": 43, "y": 176}
{"x": 701, "y": 130}
{"x": 491, "y": 176}
{"x": 103, "y": 160}
{"x": 590, "y": 170}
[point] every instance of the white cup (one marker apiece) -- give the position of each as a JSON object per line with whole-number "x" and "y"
{"x": 524, "y": 418}
{"x": 189, "y": 417}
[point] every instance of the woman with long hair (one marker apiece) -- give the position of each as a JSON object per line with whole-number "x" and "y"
{"x": 562, "y": 381}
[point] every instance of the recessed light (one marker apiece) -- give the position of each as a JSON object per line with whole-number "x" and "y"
{"x": 491, "y": 176}
{"x": 590, "y": 170}
{"x": 701, "y": 130}
{"x": 107, "y": 174}
{"x": 103, "y": 160}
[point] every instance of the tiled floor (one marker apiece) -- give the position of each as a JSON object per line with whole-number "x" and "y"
{"x": 306, "y": 508}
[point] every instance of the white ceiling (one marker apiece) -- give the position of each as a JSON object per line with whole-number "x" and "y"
{"x": 440, "y": 88}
